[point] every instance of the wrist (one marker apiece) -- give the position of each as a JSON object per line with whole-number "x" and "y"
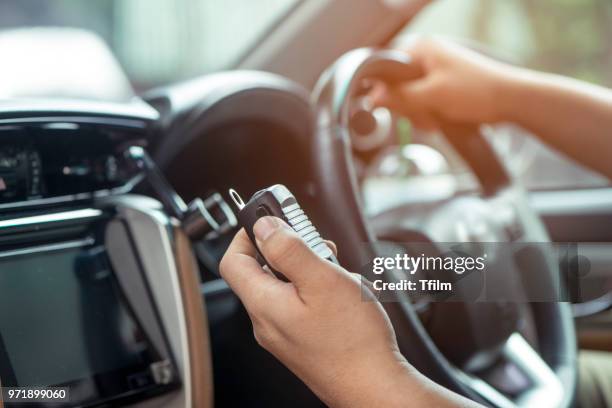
{"x": 383, "y": 381}
{"x": 387, "y": 381}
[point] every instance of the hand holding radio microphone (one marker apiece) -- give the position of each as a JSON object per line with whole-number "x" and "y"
{"x": 319, "y": 322}
{"x": 277, "y": 201}
{"x": 292, "y": 319}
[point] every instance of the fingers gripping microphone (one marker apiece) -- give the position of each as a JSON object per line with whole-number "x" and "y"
{"x": 277, "y": 201}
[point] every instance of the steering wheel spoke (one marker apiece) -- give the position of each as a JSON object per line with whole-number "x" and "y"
{"x": 540, "y": 388}
{"x": 484, "y": 389}
{"x": 546, "y": 389}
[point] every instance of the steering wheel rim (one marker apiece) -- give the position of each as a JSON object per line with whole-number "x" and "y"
{"x": 338, "y": 189}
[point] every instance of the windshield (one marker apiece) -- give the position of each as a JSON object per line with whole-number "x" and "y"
{"x": 571, "y": 38}
{"x": 155, "y": 41}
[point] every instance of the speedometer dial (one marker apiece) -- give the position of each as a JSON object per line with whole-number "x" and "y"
{"x": 20, "y": 174}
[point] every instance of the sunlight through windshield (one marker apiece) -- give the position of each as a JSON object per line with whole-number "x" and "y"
{"x": 157, "y": 41}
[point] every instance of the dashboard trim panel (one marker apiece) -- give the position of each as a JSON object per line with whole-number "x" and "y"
{"x": 119, "y": 122}
{"x": 51, "y": 218}
{"x": 150, "y": 230}
{"x": 192, "y": 109}
{"x": 15, "y": 109}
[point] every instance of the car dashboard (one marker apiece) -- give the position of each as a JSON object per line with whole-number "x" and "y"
{"x": 93, "y": 296}
{"x": 102, "y": 294}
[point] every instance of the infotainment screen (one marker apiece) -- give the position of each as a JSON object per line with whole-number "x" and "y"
{"x": 65, "y": 321}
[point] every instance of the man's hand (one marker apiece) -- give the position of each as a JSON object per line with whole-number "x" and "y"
{"x": 318, "y": 325}
{"x": 323, "y": 325}
{"x": 458, "y": 85}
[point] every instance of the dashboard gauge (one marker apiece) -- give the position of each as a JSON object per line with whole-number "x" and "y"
{"x": 20, "y": 174}
{"x": 45, "y": 162}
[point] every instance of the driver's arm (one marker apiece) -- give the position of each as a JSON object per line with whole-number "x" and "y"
{"x": 342, "y": 346}
{"x": 463, "y": 86}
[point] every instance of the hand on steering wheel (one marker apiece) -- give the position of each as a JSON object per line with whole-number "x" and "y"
{"x": 548, "y": 367}
{"x": 457, "y": 85}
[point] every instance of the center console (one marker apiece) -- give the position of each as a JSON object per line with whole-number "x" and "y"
{"x": 99, "y": 292}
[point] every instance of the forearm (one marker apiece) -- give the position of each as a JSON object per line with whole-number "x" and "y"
{"x": 573, "y": 117}
{"x": 420, "y": 391}
{"x": 392, "y": 383}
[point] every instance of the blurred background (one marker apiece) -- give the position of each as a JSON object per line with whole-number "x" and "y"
{"x": 158, "y": 42}
{"x": 567, "y": 37}
{"x": 113, "y": 49}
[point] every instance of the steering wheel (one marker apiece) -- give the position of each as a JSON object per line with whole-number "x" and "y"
{"x": 539, "y": 373}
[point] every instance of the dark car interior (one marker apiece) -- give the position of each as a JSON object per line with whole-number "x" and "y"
{"x": 115, "y": 213}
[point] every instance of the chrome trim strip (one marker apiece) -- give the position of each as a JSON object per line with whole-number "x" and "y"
{"x": 123, "y": 189}
{"x": 547, "y": 390}
{"x": 48, "y": 248}
{"x": 48, "y": 200}
{"x": 105, "y": 121}
{"x": 592, "y": 307}
{"x": 55, "y": 108}
{"x": 152, "y": 239}
{"x": 49, "y": 218}
{"x": 485, "y": 390}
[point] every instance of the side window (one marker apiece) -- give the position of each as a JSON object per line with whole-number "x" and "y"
{"x": 160, "y": 41}
{"x": 157, "y": 42}
{"x": 566, "y": 37}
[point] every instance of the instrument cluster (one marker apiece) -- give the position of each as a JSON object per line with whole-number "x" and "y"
{"x": 39, "y": 163}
